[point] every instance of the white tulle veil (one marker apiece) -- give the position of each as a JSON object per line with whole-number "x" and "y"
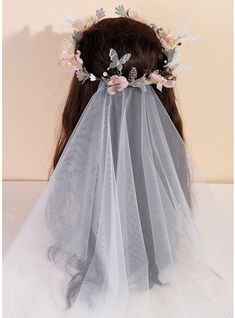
{"x": 113, "y": 233}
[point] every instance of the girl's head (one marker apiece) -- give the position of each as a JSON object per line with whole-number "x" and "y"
{"x": 125, "y": 35}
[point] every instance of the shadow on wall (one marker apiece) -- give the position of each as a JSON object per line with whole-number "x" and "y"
{"x": 34, "y": 92}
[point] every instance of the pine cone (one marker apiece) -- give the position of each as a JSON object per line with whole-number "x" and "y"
{"x": 132, "y": 75}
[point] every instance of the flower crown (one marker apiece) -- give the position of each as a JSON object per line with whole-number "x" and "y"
{"x": 170, "y": 45}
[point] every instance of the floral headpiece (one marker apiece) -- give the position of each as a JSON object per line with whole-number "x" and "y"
{"x": 170, "y": 46}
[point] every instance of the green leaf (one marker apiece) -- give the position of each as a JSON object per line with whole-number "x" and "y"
{"x": 120, "y": 10}
{"x": 100, "y": 14}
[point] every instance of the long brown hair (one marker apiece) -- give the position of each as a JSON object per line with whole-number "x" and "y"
{"x": 125, "y": 35}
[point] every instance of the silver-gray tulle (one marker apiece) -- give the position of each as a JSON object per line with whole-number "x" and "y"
{"x": 113, "y": 233}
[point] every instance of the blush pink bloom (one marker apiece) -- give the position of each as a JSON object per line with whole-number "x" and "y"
{"x": 155, "y": 78}
{"x": 116, "y": 84}
{"x": 134, "y": 15}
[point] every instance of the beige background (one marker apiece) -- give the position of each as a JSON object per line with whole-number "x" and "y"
{"x": 34, "y": 88}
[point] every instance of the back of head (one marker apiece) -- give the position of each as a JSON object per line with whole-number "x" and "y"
{"x": 125, "y": 35}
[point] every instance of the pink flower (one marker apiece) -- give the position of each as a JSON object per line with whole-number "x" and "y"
{"x": 160, "y": 81}
{"x": 156, "y": 78}
{"x": 116, "y": 84}
{"x": 169, "y": 83}
{"x": 134, "y": 15}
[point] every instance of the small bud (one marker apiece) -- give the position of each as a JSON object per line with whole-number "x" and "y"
{"x": 132, "y": 75}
